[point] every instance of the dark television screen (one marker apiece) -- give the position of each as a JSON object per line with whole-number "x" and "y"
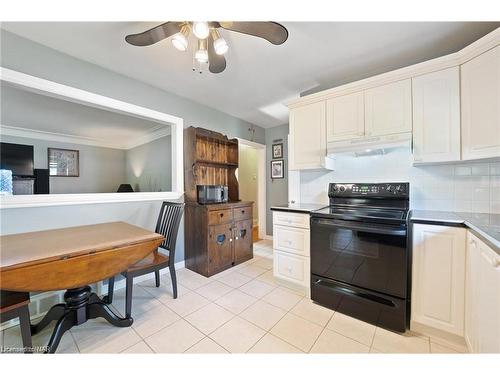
{"x": 17, "y": 158}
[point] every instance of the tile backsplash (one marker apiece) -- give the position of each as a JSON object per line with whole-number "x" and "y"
{"x": 461, "y": 187}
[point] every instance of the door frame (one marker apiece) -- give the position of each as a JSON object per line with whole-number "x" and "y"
{"x": 261, "y": 183}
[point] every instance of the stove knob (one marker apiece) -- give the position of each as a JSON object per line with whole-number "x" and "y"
{"x": 342, "y": 188}
{"x": 389, "y": 188}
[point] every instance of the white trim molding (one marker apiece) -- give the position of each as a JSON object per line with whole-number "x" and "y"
{"x": 156, "y": 133}
{"x": 48, "y": 88}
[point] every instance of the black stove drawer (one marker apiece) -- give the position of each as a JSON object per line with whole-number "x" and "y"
{"x": 374, "y": 308}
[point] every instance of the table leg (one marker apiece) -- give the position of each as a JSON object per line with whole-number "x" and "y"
{"x": 55, "y": 313}
{"x": 65, "y": 323}
{"x": 102, "y": 310}
{"x": 80, "y": 305}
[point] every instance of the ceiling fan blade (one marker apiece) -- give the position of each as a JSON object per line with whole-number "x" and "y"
{"x": 216, "y": 63}
{"x": 155, "y": 34}
{"x": 270, "y": 31}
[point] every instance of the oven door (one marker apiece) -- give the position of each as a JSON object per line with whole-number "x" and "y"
{"x": 366, "y": 255}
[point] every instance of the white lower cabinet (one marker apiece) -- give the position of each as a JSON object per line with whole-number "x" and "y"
{"x": 292, "y": 268}
{"x": 291, "y": 243}
{"x": 482, "y": 313}
{"x": 438, "y": 277}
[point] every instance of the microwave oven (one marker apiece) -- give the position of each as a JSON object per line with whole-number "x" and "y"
{"x": 208, "y": 194}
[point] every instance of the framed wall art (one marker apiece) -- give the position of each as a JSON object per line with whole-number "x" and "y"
{"x": 277, "y": 169}
{"x": 63, "y": 163}
{"x": 278, "y": 151}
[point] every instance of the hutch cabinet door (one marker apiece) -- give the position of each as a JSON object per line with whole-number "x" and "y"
{"x": 220, "y": 247}
{"x": 243, "y": 240}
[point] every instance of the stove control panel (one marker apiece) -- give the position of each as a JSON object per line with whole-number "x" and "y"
{"x": 396, "y": 189}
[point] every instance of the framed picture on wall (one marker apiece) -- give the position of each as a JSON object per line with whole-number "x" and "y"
{"x": 278, "y": 151}
{"x": 277, "y": 169}
{"x": 63, "y": 163}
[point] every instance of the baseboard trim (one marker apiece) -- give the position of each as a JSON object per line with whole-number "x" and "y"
{"x": 100, "y": 288}
{"x": 268, "y": 237}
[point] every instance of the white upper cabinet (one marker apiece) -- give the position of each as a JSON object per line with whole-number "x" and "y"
{"x": 345, "y": 117}
{"x": 388, "y": 109}
{"x": 480, "y": 80}
{"x": 307, "y": 136}
{"x": 436, "y": 116}
{"x": 438, "y": 277}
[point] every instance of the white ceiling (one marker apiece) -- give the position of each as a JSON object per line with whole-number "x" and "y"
{"x": 50, "y": 118}
{"x": 259, "y": 76}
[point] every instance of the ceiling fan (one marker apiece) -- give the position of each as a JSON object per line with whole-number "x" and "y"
{"x": 211, "y": 46}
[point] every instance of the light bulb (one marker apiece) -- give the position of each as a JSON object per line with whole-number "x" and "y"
{"x": 180, "y": 42}
{"x": 201, "y": 54}
{"x": 220, "y": 46}
{"x": 201, "y": 29}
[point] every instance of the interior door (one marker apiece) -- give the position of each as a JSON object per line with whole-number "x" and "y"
{"x": 243, "y": 240}
{"x": 220, "y": 247}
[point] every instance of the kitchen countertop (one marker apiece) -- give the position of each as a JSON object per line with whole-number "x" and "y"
{"x": 485, "y": 226}
{"x": 299, "y": 208}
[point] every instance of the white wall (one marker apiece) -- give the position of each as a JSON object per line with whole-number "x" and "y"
{"x": 463, "y": 187}
{"x": 149, "y": 166}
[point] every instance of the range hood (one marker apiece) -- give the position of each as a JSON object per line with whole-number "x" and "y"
{"x": 374, "y": 145}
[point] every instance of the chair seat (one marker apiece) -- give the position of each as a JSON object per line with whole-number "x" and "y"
{"x": 12, "y": 300}
{"x": 153, "y": 259}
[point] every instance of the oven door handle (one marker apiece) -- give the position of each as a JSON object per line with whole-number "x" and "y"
{"x": 370, "y": 228}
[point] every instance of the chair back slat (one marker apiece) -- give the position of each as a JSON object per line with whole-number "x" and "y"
{"x": 168, "y": 223}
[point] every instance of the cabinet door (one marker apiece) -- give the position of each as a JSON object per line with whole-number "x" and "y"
{"x": 345, "y": 117}
{"x": 307, "y": 147}
{"x": 436, "y": 116}
{"x": 480, "y": 81}
{"x": 388, "y": 109}
{"x": 438, "y": 277}
{"x": 220, "y": 247}
{"x": 488, "y": 300}
{"x": 471, "y": 293}
{"x": 243, "y": 244}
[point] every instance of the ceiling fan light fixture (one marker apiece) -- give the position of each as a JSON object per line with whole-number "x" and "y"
{"x": 201, "y": 54}
{"x": 220, "y": 44}
{"x": 201, "y": 30}
{"x": 180, "y": 40}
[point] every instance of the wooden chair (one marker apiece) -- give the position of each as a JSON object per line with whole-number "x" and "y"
{"x": 167, "y": 225}
{"x": 15, "y": 305}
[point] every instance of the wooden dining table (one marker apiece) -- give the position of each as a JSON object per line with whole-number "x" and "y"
{"x": 71, "y": 259}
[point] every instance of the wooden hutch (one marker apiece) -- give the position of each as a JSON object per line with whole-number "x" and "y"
{"x": 216, "y": 236}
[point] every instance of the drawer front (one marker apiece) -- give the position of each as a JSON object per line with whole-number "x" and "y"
{"x": 292, "y": 240}
{"x": 242, "y": 213}
{"x": 293, "y": 268}
{"x": 220, "y": 217}
{"x": 291, "y": 219}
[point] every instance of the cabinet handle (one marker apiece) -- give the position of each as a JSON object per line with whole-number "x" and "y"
{"x": 236, "y": 237}
{"x": 289, "y": 269}
{"x": 473, "y": 243}
{"x": 230, "y": 240}
{"x": 221, "y": 214}
{"x": 242, "y": 211}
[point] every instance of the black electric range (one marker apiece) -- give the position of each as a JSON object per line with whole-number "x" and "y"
{"x": 360, "y": 254}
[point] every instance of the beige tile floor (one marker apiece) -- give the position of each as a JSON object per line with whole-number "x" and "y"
{"x": 237, "y": 311}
